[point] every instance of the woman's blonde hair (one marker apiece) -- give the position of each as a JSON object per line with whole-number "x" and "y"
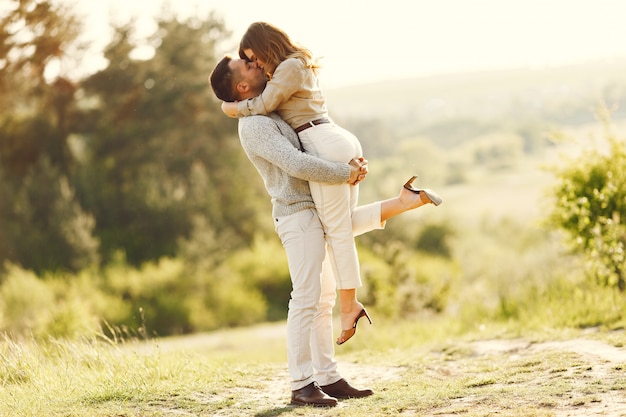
{"x": 273, "y": 46}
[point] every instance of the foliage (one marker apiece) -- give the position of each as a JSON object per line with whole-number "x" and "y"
{"x": 591, "y": 207}
{"x": 158, "y": 151}
{"x": 506, "y": 278}
{"x": 131, "y": 158}
{"x": 64, "y": 307}
{"x": 263, "y": 269}
{"x": 35, "y": 36}
{"x": 435, "y": 239}
{"x": 126, "y": 202}
{"x": 153, "y": 294}
{"x": 163, "y": 297}
{"x": 42, "y": 225}
{"x": 403, "y": 283}
{"x": 571, "y": 301}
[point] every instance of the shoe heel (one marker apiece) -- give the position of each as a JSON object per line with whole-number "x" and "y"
{"x": 366, "y": 315}
{"x": 408, "y": 185}
{"x": 347, "y": 334}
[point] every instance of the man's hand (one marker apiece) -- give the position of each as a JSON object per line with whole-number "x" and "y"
{"x": 230, "y": 108}
{"x": 358, "y": 170}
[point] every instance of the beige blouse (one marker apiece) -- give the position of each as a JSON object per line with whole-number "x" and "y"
{"x": 293, "y": 92}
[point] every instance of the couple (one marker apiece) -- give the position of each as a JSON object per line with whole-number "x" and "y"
{"x": 273, "y": 147}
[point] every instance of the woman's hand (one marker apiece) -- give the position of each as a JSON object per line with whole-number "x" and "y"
{"x": 358, "y": 170}
{"x": 230, "y": 108}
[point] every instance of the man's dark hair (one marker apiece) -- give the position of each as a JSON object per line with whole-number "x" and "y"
{"x": 223, "y": 81}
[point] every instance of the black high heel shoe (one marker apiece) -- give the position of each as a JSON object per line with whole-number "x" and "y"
{"x": 347, "y": 334}
{"x": 433, "y": 196}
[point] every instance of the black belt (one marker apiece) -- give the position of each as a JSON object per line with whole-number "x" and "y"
{"x": 311, "y": 124}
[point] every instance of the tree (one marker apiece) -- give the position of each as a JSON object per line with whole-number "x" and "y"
{"x": 591, "y": 207}
{"x": 34, "y": 35}
{"x": 159, "y": 153}
{"x": 42, "y": 224}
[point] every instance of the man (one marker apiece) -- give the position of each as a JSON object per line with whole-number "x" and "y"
{"x": 273, "y": 147}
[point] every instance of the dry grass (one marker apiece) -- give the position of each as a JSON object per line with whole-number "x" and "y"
{"x": 242, "y": 373}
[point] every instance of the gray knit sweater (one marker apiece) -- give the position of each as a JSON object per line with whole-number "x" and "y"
{"x": 273, "y": 147}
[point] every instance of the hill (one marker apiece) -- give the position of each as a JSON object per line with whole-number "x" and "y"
{"x": 565, "y": 91}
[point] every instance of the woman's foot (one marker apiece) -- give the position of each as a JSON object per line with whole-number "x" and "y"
{"x": 410, "y": 200}
{"x": 426, "y": 195}
{"x": 349, "y": 320}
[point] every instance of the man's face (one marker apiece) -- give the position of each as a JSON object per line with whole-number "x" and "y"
{"x": 251, "y": 74}
{"x": 252, "y": 57}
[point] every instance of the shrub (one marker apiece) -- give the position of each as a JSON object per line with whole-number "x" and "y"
{"x": 405, "y": 283}
{"x": 155, "y": 294}
{"x": 55, "y": 305}
{"x": 434, "y": 239}
{"x": 264, "y": 268}
{"x": 505, "y": 265}
{"x": 591, "y": 207}
{"x": 24, "y": 300}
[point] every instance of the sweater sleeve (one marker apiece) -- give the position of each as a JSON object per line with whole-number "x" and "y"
{"x": 264, "y": 140}
{"x": 286, "y": 81}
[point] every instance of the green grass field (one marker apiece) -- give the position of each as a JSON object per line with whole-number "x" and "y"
{"x": 559, "y": 353}
{"x": 416, "y": 368}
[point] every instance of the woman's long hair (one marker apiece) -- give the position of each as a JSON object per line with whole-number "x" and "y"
{"x": 273, "y": 46}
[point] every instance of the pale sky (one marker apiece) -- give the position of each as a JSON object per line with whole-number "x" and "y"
{"x": 373, "y": 40}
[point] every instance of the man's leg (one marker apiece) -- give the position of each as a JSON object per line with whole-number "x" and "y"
{"x": 322, "y": 343}
{"x": 323, "y": 346}
{"x": 302, "y": 237}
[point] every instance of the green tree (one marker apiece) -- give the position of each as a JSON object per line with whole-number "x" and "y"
{"x": 160, "y": 155}
{"x": 591, "y": 207}
{"x": 43, "y": 226}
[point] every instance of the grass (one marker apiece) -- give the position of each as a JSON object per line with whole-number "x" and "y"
{"x": 416, "y": 368}
{"x": 541, "y": 362}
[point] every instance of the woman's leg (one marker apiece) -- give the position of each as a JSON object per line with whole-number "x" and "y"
{"x": 334, "y": 208}
{"x": 374, "y": 215}
{"x": 334, "y": 204}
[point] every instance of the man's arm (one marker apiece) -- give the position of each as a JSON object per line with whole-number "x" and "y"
{"x": 286, "y": 81}
{"x": 262, "y": 137}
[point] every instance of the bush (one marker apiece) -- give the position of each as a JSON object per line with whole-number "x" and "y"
{"x": 43, "y": 224}
{"x": 570, "y": 301}
{"x": 158, "y": 298}
{"x": 24, "y": 301}
{"x": 404, "y": 283}
{"x": 263, "y": 270}
{"x": 155, "y": 294}
{"x": 434, "y": 239}
{"x": 591, "y": 208}
{"x": 57, "y": 305}
{"x": 505, "y": 265}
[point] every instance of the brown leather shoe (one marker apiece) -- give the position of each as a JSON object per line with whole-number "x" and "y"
{"x": 341, "y": 389}
{"x": 312, "y": 395}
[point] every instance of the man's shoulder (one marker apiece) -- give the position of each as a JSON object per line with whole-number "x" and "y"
{"x": 258, "y": 129}
{"x": 270, "y": 121}
{"x": 257, "y": 119}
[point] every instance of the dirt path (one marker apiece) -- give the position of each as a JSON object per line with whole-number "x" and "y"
{"x": 603, "y": 361}
{"x": 599, "y": 361}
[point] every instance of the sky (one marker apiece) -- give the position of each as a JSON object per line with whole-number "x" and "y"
{"x": 363, "y": 41}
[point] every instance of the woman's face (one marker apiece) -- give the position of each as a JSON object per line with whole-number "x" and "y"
{"x": 252, "y": 57}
